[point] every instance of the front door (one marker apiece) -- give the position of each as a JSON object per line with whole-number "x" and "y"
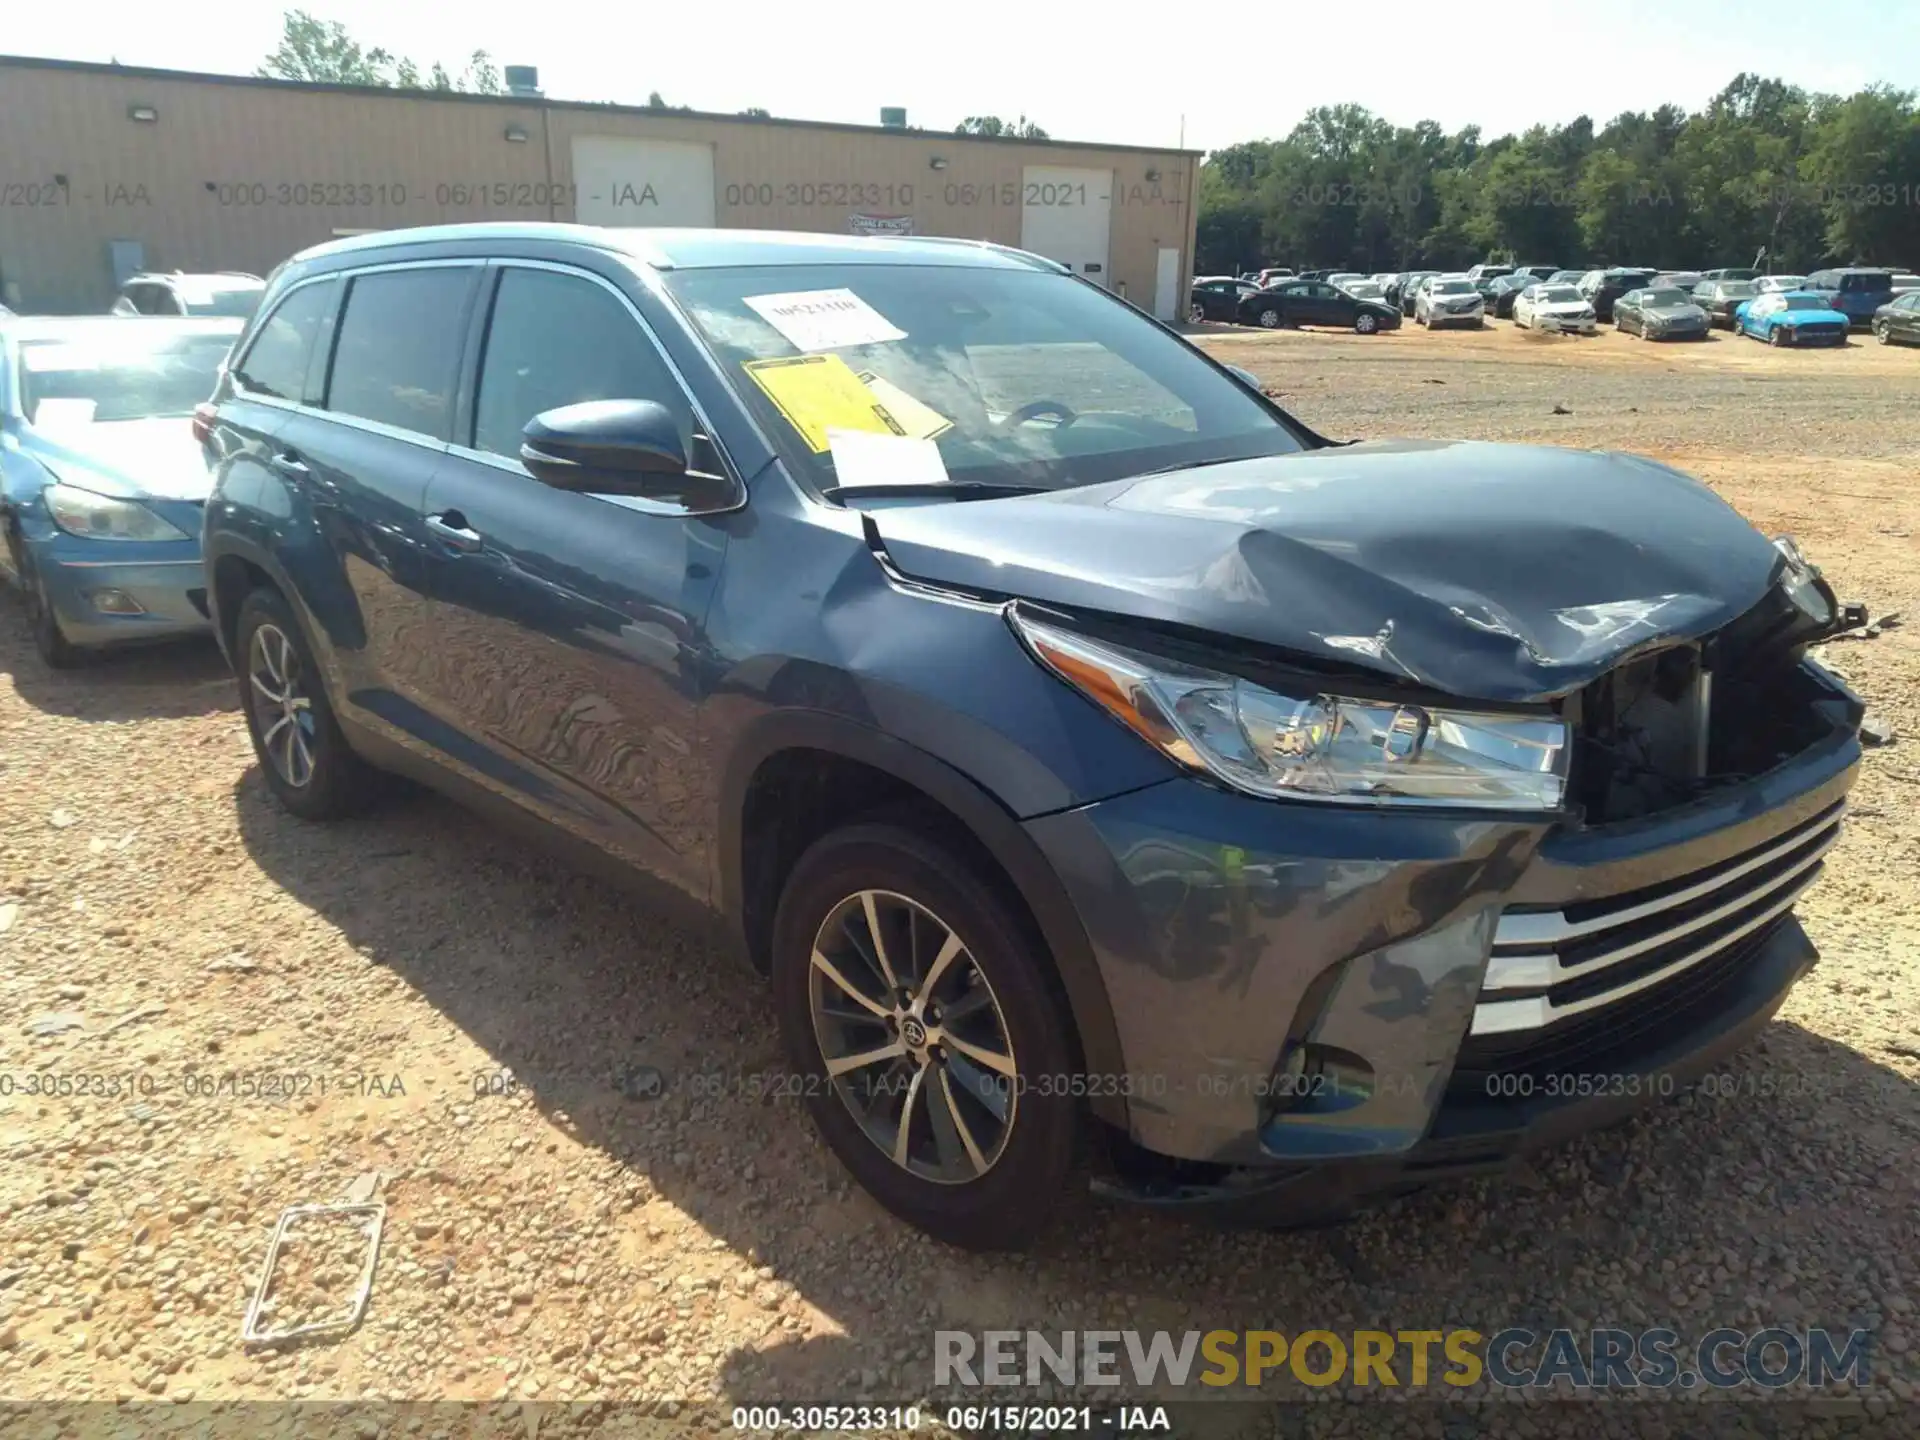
{"x": 568, "y": 650}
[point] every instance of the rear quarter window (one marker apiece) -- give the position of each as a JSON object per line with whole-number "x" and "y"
{"x": 276, "y": 360}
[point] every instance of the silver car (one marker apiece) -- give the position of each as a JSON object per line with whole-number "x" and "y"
{"x": 1449, "y": 300}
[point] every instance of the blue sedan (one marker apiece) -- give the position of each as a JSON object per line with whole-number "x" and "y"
{"x": 1793, "y": 317}
{"x": 102, "y": 482}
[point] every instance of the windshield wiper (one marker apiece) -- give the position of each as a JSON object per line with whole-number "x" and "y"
{"x": 952, "y": 490}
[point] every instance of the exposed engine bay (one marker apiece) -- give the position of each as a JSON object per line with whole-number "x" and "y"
{"x": 1666, "y": 728}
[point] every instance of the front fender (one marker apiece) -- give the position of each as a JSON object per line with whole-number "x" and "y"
{"x": 985, "y": 818}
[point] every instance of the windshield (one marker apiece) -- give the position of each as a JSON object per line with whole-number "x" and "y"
{"x": 96, "y": 379}
{"x": 1363, "y": 289}
{"x": 1560, "y": 295}
{"x": 1018, "y": 377}
{"x": 236, "y": 303}
{"x": 1806, "y": 302}
{"x": 1452, "y": 287}
{"x": 1660, "y": 299}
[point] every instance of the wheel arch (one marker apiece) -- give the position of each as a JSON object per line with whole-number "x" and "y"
{"x": 752, "y": 854}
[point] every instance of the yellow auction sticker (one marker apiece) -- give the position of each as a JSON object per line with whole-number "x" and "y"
{"x": 818, "y": 393}
{"x": 922, "y": 422}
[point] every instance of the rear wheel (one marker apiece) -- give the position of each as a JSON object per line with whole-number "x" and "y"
{"x": 306, "y": 759}
{"x": 920, "y": 1016}
{"x": 1883, "y": 333}
{"x": 1196, "y": 313}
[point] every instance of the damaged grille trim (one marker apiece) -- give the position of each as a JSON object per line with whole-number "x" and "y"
{"x": 1521, "y": 964}
{"x": 1526, "y": 931}
{"x": 1498, "y": 1017}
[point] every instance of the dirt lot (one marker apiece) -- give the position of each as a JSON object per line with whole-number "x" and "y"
{"x": 564, "y": 1234}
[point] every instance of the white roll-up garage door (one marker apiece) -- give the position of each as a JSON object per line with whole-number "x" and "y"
{"x": 624, "y": 181}
{"x": 1066, "y": 214}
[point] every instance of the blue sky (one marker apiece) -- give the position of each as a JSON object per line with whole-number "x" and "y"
{"x": 1087, "y": 73}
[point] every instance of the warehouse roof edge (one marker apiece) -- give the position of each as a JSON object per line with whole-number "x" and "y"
{"x": 545, "y": 102}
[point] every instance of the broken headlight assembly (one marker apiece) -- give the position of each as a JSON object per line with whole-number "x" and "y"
{"x": 1312, "y": 746}
{"x": 1801, "y": 580}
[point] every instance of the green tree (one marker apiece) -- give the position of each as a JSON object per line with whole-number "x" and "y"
{"x": 1021, "y": 129}
{"x": 321, "y": 50}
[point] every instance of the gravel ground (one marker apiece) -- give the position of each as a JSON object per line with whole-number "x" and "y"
{"x": 416, "y": 1001}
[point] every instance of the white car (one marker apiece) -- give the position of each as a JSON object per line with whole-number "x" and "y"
{"x": 1343, "y": 278}
{"x": 1365, "y": 290}
{"x": 1554, "y": 307}
{"x": 1767, "y": 284}
{"x": 1449, "y": 300}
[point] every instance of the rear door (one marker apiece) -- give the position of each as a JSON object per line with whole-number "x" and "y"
{"x": 361, "y": 460}
{"x": 568, "y": 649}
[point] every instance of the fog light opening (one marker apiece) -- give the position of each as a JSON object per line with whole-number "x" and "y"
{"x": 115, "y": 602}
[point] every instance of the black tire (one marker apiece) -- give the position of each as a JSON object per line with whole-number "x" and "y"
{"x": 1008, "y": 1204}
{"x": 49, "y": 639}
{"x": 336, "y": 783}
{"x": 1270, "y": 319}
{"x": 1364, "y": 324}
{"x": 1883, "y": 333}
{"x": 1196, "y": 313}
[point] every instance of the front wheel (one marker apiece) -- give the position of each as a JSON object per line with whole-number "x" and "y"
{"x": 43, "y": 620}
{"x": 1269, "y": 319}
{"x": 1777, "y": 336}
{"x": 307, "y": 762}
{"x": 1366, "y": 324}
{"x": 1883, "y": 333}
{"x": 1196, "y": 313}
{"x": 930, "y": 1042}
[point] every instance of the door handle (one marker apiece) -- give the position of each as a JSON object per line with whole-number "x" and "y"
{"x": 452, "y": 528}
{"x": 288, "y": 462}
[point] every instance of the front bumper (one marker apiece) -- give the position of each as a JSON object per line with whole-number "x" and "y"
{"x": 164, "y": 579}
{"x": 1567, "y": 324}
{"x": 1475, "y": 316}
{"x": 1233, "y": 933}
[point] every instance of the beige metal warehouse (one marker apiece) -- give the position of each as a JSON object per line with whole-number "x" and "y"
{"x": 108, "y": 168}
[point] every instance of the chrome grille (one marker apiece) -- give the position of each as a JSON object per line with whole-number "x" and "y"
{"x": 1550, "y": 965}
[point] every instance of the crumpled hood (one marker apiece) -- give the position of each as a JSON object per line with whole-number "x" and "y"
{"x": 1495, "y": 572}
{"x": 154, "y": 459}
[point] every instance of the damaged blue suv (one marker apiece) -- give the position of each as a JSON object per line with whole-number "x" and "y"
{"x": 1080, "y": 745}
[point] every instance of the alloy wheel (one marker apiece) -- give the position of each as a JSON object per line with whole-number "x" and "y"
{"x": 1196, "y": 314}
{"x": 1270, "y": 319}
{"x": 282, "y": 709}
{"x": 1366, "y": 324}
{"x": 913, "y": 1039}
{"x": 1883, "y": 333}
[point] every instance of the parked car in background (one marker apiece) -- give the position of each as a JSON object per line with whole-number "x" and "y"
{"x": 1675, "y": 280}
{"x": 1857, "y": 293}
{"x": 1000, "y": 773}
{"x": 1488, "y": 272}
{"x": 1902, "y": 283}
{"x": 1502, "y": 293}
{"x": 1720, "y": 298}
{"x": 1402, "y": 290}
{"x": 1449, "y": 300}
{"x": 1217, "y": 297}
{"x": 1344, "y": 277}
{"x": 1794, "y": 317}
{"x": 1383, "y": 279}
{"x": 1731, "y": 272}
{"x": 1273, "y": 275}
{"x": 1661, "y": 312}
{"x": 232, "y": 293}
{"x": 1565, "y": 277}
{"x": 1553, "y": 307}
{"x": 1898, "y": 321}
{"x": 1365, "y": 290}
{"x": 1778, "y": 284}
{"x": 101, "y": 476}
{"x": 1536, "y": 273}
{"x": 1603, "y": 287}
{"x": 1316, "y": 302}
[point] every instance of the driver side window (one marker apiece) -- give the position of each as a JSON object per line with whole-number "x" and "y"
{"x": 557, "y": 340}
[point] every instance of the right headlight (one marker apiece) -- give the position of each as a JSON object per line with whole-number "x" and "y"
{"x": 1312, "y": 746}
{"x": 104, "y": 517}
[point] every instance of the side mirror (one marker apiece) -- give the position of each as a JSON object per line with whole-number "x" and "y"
{"x": 619, "y": 447}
